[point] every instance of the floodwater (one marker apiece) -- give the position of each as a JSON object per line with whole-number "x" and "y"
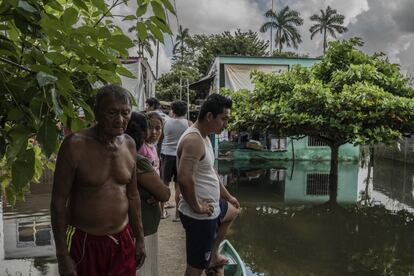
{"x": 285, "y": 227}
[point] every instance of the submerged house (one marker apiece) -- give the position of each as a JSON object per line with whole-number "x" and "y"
{"x": 233, "y": 72}
{"x": 143, "y": 87}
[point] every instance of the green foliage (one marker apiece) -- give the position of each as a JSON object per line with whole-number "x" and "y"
{"x": 348, "y": 97}
{"x": 168, "y": 85}
{"x": 206, "y": 48}
{"x": 53, "y": 54}
{"x": 195, "y": 54}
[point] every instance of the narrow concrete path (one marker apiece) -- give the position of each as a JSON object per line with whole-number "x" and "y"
{"x": 171, "y": 244}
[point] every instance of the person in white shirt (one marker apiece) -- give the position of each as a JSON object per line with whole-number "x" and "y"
{"x": 206, "y": 208}
{"x": 174, "y": 127}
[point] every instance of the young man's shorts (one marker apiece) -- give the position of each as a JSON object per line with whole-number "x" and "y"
{"x": 200, "y": 236}
{"x": 109, "y": 255}
{"x": 168, "y": 168}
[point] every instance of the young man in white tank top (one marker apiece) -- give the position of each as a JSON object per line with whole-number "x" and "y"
{"x": 206, "y": 208}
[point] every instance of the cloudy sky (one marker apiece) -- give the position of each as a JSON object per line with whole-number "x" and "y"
{"x": 384, "y": 25}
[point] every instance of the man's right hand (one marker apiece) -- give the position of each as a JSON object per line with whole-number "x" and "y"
{"x": 207, "y": 207}
{"x": 66, "y": 266}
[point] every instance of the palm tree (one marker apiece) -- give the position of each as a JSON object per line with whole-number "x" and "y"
{"x": 284, "y": 23}
{"x": 180, "y": 40}
{"x": 144, "y": 46}
{"x": 329, "y": 20}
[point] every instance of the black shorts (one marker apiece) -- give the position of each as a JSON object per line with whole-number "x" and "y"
{"x": 200, "y": 236}
{"x": 168, "y": 168}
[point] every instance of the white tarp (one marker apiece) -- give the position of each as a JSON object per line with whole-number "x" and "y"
{"x": 237, "y": 76}
{"x": 138, "y": 86}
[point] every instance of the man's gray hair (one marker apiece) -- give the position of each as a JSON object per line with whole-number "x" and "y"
{"x": 113, "y": 90}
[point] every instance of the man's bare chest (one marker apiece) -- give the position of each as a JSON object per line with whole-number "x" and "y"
{"x": 102, "y": 166}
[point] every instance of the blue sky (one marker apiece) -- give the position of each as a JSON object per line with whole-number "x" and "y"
{"x": 384, "y": 25}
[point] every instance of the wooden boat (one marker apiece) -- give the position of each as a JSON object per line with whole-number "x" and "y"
{"x": 235, "y": 267}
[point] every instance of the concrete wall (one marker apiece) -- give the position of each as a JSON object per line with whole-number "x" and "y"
{"x": 300, "y": 151}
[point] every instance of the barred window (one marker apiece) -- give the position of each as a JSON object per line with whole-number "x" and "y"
{"x": 315, "y": 142}
{"x": 317, "y": 184}
{"x": 277, "y": 144}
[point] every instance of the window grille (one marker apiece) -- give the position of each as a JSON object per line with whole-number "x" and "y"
{"x": 315, "y": 142}
{"x": 317, "y": 184}
{"x": 34, "y": 231}
{"x": 277, "y": 144}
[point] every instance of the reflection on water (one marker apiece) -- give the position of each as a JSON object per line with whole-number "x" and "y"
{"x": 284, "y": 228}
{"x": 287, "y": 228}
{"x": 26, "y": 239}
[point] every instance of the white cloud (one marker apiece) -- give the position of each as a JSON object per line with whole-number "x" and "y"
{"x": 216, "y": 16}
{"x": 384, "y": 25}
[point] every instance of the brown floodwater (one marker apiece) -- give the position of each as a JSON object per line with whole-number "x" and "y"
{"x": 286, "y": 226}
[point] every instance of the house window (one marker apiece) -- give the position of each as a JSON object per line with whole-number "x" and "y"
{"x": 315, "y": 142}
{"x": 32, "y": 232}
{"x": 317, "y": 184}
{"x": 277, "y": 175}
{"x": 277, "y": 144}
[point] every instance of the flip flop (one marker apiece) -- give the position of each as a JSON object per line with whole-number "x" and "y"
{"x": 169, "y": 205}
{"x": 165, "y": 215}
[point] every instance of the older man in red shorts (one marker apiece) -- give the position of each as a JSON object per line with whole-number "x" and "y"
{"x": 95, "y": 207}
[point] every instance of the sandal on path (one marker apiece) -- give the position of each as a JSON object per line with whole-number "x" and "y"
{"x": 165, "y": 215}
{"x": 168, "y": 205}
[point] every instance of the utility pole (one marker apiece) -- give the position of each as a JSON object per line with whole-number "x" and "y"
{"x": 188, "y": 100}
{"x": 181, "y": 88}
{"x": 156, "y": 61}
{"x": 271, "y": 34}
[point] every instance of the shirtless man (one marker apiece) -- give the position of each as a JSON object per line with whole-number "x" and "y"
{"x": 95, "y": 206}
{"x": 206, "y": 208}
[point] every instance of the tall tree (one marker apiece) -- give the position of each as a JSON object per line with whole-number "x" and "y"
{"x": 330, "y": 21}
{"x": 181, "y": 39}
{"x": 239, "y": 43}
{"x": 285, "y": 23}
{"x": 348, "y": 97}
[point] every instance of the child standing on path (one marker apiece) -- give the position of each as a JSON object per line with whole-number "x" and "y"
{"x": 149, "y": 148}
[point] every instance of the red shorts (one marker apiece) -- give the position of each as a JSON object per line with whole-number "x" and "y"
{"x": 109, "y": 255}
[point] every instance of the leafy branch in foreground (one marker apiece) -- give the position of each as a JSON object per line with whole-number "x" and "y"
{"x": 53, "y": 55}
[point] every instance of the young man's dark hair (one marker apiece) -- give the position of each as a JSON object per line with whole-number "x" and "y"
{"x": 179, "y": 108}
{"x": 110, "y": 90}
{"x": 215, "y": 103}
{"x": 154, "y": 103}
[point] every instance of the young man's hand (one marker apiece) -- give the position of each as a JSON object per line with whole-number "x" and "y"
{"x": 206, "y": 207}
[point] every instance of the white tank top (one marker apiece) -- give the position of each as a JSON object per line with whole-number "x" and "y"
{"x": 207, "y": 184}
{"x": 173, "y": 129}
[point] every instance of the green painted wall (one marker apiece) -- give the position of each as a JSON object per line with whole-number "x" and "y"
{"x": 302, "y": 151}
{"x": 266, "y": 60}
{"x": 291, "y": 186}
{"x": 295, "y": 187}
